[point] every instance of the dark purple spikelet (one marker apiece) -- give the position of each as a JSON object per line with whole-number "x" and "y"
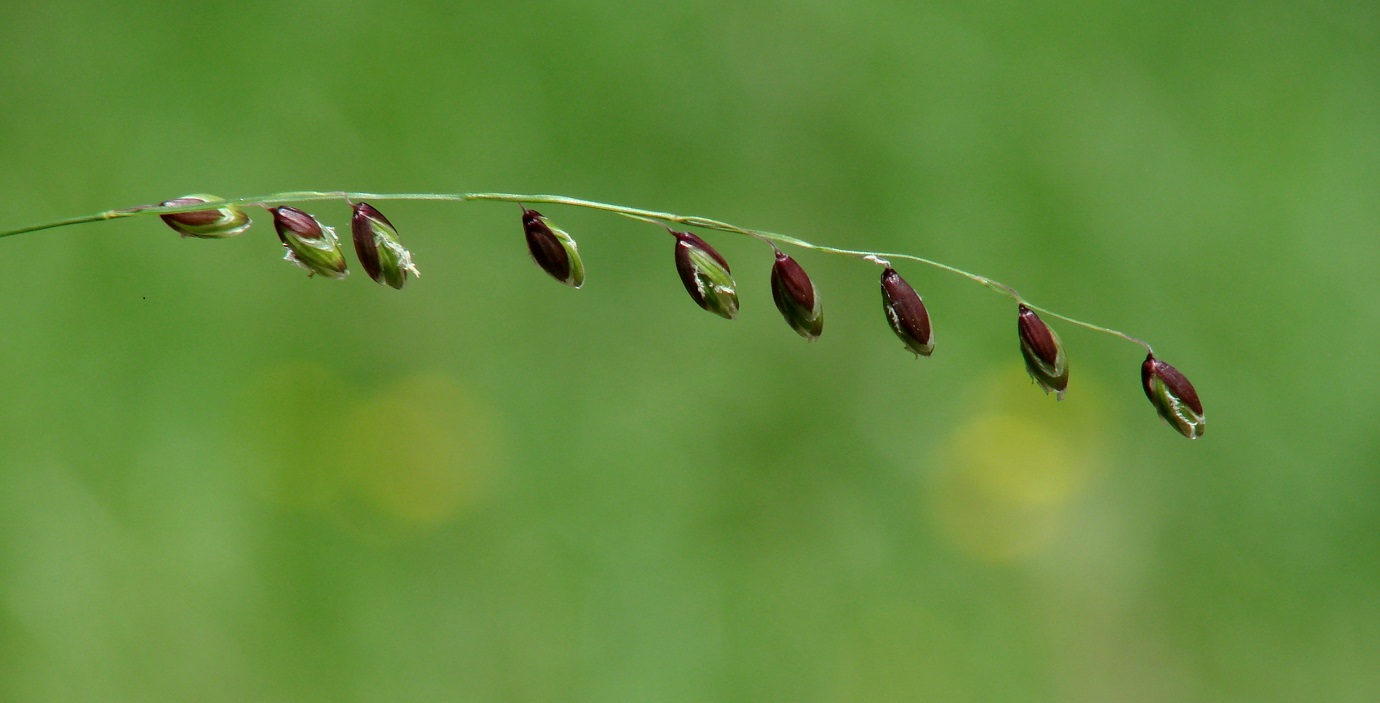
{"x": 1037, "y": 335}
{"x": 1173, "y": 396}
{"x": 218, "y": 223}
{"x": 1044, "y": 355}
{"x": 906, "y": 313}
{"x": 362, "y": 231}
{"x": 546, "y": 251}
{"x": 290, "y": 220}
{"x": 552, "y": 249}
{"x": 198, "y": 218}
{"x": 705, "y": 274}
{"x": 380, "y": 251}
{"x": 689, "y": 239}
{"x": 309, "y": 245}
{"x": 1176, "y": 382}
{"x": 796, "y": 298}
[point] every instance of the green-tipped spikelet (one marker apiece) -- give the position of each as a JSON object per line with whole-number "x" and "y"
{"x": 706, "y": 275}
{"x": 380, "y": 252}
{"x": 1045, "y": 359}
{"x": 222, "y": 222}
{"x": 552, "y": 249}
{"x": 1173, "y": 397}
{"x": 310, "y": 244}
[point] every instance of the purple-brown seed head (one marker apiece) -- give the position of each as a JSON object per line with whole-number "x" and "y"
{"x": 309, "y": 245}
{"x": 380, "y": 251}
{"x": 906, "y": 313}
{"x": 217, "y": 223}
{"x": 1173, "y": 396}
{"x": 289, "y": 220}
{"x": 1044, "y": 355}
{"x": 796, "y": 298}
{"x": 553, "y": 249}
{"x": 705, "y": 275}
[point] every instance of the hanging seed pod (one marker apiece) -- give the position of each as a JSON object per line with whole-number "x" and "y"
{"x": 706, "y": 275}
{"x": 383, "y": 257}
{"x": 309, "y": 244}
{"x": 1173, "y": 397}
{"x": 219, "y": 223}
{"x": 796, "y": 297}
{"x": 906, "y": 313}
{"x": 1044, "y": 353}
{"x": 553, "y": 250}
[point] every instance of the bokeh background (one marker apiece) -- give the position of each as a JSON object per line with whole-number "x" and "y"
{"x": 223, "y": 481}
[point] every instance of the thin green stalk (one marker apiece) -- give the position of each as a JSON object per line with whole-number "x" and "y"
{"x": 653, "y": 216}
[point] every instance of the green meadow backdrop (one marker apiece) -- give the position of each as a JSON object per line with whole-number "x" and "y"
{"x": 221, "y": 480}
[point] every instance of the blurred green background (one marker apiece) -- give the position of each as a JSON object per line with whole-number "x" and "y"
{"x": 223, "y": 481}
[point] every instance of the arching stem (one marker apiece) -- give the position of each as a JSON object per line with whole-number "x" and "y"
{"x": 651, "y": 216}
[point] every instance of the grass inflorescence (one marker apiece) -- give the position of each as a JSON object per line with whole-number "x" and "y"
{"x": 707, "y": 276}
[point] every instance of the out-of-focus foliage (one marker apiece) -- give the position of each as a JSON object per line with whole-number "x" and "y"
{"x": 223, "y": 481}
